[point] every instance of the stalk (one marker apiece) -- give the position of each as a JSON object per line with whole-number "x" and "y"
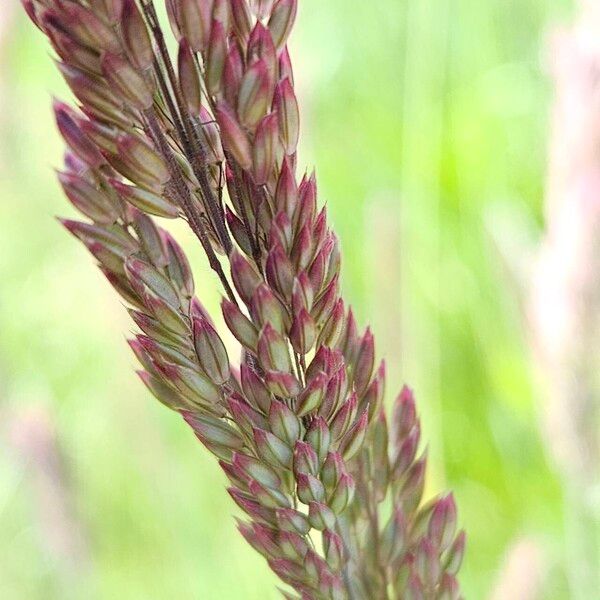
{"x": 331, "y": 485}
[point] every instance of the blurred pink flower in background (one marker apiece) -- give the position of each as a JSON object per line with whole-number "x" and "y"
{"x": 31, "y": 435}
{"x": 558, "y": 281}
{"x": 564, "y": 301}
{"x": 564, "y": 310}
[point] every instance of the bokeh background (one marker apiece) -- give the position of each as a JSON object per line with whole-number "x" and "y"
{"x": 430, "y": 123}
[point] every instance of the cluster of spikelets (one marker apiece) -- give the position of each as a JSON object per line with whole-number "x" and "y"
{"x": 333, "y": 496}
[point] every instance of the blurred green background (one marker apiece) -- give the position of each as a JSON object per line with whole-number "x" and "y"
{"x": 419, "y": 115}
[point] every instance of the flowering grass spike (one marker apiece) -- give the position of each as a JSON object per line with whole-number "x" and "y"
{"x": 330, "y": 486}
